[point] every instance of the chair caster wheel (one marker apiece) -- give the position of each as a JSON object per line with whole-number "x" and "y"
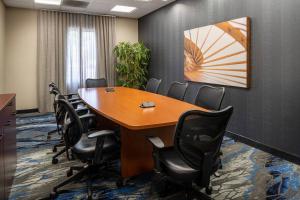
{"x": 121, "y": 182}
{"x": 216, "y": 174}
{"x": 69, "y": 173}
{"x": 54, "y": 149}
{"x": 53, "y": 195}
{"x": 208, "y": 190}
{"x": 72, "y": 157}
{"x": 54, "y": 161}
{"x": 89, "y": 197}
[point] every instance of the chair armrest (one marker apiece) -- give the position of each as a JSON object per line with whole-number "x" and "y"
{"x": 82, "y": 111}
{"x": 156, "y": 142}
{"x": 87, "y": 116}
{"x": 74, "y": 99}
{"x": 88, "y": 122}
{"x": 76, "y": 103}
{"x": 100, "y": 134}
{"x": 71, "y": 94}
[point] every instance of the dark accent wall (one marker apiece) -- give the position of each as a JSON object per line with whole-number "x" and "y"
{"x": 268, "y": 112}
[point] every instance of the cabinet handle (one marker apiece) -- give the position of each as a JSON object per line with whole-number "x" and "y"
{"x": 8, "y": 123}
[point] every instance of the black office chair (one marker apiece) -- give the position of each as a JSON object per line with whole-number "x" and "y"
{"x": 75, "y": 101}
{"x": 94, "y": 83}
{"x": 153, "y": 85}
{"x": 97, "y": 148}
{"x": 191, "y": 93}
{"x": 71, "y": 97}
{"x": 210, "y": 97}
{"x": 177, "y": 90}
{"x": 60, "y": 112}
{"x": 195, "y": 155}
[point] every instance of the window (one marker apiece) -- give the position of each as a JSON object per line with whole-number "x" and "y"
{"x": 81, "y": 57}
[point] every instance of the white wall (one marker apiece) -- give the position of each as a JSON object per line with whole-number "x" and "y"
{"x": 20, "y": 56}
{"x": 2, "y": 45}
{"x": 21, "y": 52}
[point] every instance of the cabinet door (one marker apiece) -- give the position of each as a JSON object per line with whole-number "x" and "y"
{"x": 2, "y": 175}
{"x": 10, "y": 157}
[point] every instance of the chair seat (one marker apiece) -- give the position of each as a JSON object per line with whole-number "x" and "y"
{"x": 85, "y": 147}
{"x": 175, "y": 167}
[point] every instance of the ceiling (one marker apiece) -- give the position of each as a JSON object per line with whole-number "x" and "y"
{"x": 101, "y": 7}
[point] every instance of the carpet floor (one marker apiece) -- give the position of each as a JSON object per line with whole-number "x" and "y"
{"x": 247, "y": 173}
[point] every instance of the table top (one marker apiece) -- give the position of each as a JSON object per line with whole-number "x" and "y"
{"x": 123, "y": 107}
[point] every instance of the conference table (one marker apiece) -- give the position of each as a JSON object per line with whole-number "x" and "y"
{"x": 121, "y": 108}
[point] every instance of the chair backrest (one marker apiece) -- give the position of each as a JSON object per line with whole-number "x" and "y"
{"x": 177, "y": 90}
{"x": 52, "y": 84}
{"x": 191, "y": 93}
{"x": 94, "y": 83}
{"x": 59, "y": 110}
{"x": 72, "y": 126}
{"x": 54, "y": 90}
{"x": 210, "y": 97}
{"x": 199, "y": 132}
{"x": 153, "y": 85}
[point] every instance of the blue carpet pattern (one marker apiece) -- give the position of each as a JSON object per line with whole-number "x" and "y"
{"x": 247, "y": 173}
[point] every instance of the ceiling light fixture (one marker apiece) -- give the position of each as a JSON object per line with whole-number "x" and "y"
{"x": 48, "y": 2}
{"x": 126, "y": 9}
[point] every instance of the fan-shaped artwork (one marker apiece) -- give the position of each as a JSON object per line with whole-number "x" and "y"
{"x": 218, "y": 54}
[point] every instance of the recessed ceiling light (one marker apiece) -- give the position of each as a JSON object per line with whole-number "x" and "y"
{"x": 49, "y": 2}
{"x": 126, "y": 9}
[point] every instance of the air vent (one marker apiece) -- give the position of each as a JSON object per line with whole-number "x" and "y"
{"x": 74, "y": 3}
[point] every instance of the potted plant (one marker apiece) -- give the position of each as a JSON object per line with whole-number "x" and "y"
{"x": 132, "y": 64}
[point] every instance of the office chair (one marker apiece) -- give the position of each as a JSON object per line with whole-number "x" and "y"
{"x": 59, "y": 116}
{"x": 97, "y": 148}
{"x": 153, "y": 85}
{"x": 70, "y": 97}
{"x": 177, "y": 90}
{"x": 194, "y": 156}
{"x": 75, "y": 101}
{"x": 191, "y": 93}
{"x": 210, "y": 97}
{"x": 94, "y": 83}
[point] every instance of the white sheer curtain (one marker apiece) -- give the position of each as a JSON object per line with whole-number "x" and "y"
{"x": 81, "y": 57}
{"x": 71, "y": 48}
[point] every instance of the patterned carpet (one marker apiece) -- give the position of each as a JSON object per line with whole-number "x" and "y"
{"x": 247, "y": 173}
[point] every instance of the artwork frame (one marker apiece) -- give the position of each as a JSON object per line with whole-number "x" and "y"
{"x": 219, "y": 54}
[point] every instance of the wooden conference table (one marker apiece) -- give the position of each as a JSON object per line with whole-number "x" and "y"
{"x": 122, "y": 108}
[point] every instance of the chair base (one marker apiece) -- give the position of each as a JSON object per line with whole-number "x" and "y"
{"x": 54, "y": 158}
{"x": 60, "y": 144}
{"x": 89, "y": 170}
{"x": 57, "y": 130}
{"x": 191, "y": 194}
{"x": 51, "y": 133}
{"x": 168, "y": 189}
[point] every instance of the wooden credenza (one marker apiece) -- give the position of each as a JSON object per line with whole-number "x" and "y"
{"x": 8, "y": 156}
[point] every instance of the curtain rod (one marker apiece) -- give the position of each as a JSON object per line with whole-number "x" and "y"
{"x": 77, "y": 12}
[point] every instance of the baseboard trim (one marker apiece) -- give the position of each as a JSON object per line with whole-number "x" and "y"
{"x": 33, "y": 110}
{"x": 282, "y": 154}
